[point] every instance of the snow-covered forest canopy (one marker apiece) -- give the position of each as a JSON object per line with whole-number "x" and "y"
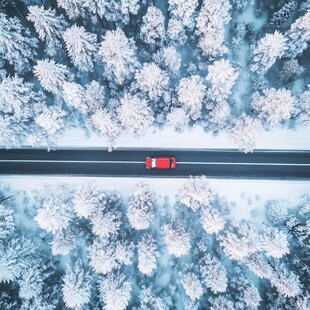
{"x": 116, "y": 66}
{"x": 69, "y": 245}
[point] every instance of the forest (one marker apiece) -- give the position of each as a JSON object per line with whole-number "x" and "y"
{"x": 118, "y": 66}
{"x": 78, "y": 246}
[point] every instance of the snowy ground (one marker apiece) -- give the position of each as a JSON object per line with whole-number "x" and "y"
{"x": 245, "y": 195}
{"x": 196, "y": 138}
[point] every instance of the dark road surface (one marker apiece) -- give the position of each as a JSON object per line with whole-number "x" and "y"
{"x": 130, "y": 163}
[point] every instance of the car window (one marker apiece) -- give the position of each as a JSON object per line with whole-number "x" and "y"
{"x": 171, "y": 162}
{"x": 153, "y": 163}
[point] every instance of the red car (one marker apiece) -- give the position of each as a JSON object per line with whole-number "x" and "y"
{"x": 161, "y": 162}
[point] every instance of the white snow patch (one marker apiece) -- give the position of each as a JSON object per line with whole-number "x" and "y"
{"x": 196, "y": 138}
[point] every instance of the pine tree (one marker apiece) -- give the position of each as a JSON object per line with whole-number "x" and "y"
{"x": 74, "y": 96}
{"x": 51, "y": 75}
{"x": 76, "y": 287}
{"x": 106, "y": 126}
{"x": 177, "y": 240}
{"x": 192, "y": 286}
{"x": 7, "y": 224}
{"x": 49, "y": 27}
{"x": 94, "y": 96}
{"x": 191, "y": 92}
{"x": 274, "y": 105}
{"x": 212, "y": 220}
{"x": 147, "y": 254}
{"x": 140, "y": 210}
{"x": 245, "y": 132}
{"x": 267, "y": 50}
{"x": 134, "y": 114}
{"x": 86, "y": 199}
{"x": 16, "y": 45}
{"x": 117, "y": 52}
{"x": 55, "y": 214}
{"x": 210, "y": 27}
{"x": 152, "y": 30}
{"x": 81, "y": 47}
{"x": 152, "y": 80}
{"x": 213, "y": 274}
{"x": 74, "y": 8}
{"x": 115, "y": 290}
{"x": 196, "y": 193}
{"x": 183, "y": 11}
{"x": 240, "y": 240}
{"x": 18, "y": 98}
{"x": 222, "y": 76}
{"x": 178, "y": 119}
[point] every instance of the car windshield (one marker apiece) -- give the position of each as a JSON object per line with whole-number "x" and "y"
{"x": 153, "y": 164}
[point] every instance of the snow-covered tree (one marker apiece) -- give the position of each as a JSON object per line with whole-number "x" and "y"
{"x": 134, "y": 114}
{"x": 177, "y": 240}
{"x": 51, "y": 75}
{"x": 153, "y": 26}
{"x": 118, "y": 55}
{"x": 55, "y": 214}
{"x": 76, "y": 287}
{"x": 13, "y": 258}
{"x": 259, "y": 265}
{"x": 31, "y": 280}
{"x": 276, "y": 212}
{"x": 74, "y": 8}
{"x": 303, "y": 108}
{"x": 64, "y": 241}
{"x": 286, "y": 282}
{"x": 169, "y": 58}
{"x": 267, "y": 51}
{"x": 221, "y": 302}
{"x": 213, "y": 274}
{"x": 283, "y": 14}
{"x": 196, "y": 193}
{"x": 51, "y": 120}
{"x": 274, "y": 105}
{"x": 212, "y": 220}
{"x": 152, "y": 80}
{"x": 245, "y": 132}
{"x": 81, "y": 47}
{"x": 12, "y": 131}
{"x": 191, "y": 92}
{"x": 290, "y": 69}
{"x": 178, "y": 119}
{"x": 240, "y": 240}
{"x": 298, "y": 36}
{"x": 147, "y": 254}
{"x": 17, "y": 97}
{"x": 49, "y": 26}
{"x": 107, "y": 255}
{"x": 210, "y": 27}
{"x": 6, "y": 222}
{"x": 221, "y": 76}
{"x": 176, "y": 32}
{"x": 183, "y": 11}
{"x": 219, "y": 116}
{"x": 86, "y": 199}
{"x": 74, "y": 96}
{"x": 94, "y": 96}
{"x": 274, "y": 242}
{"x": 105, "y": 224}
{"x": 141, "y": 205}
{"x": 115, "y": 290}
{"x": 106, "y": 125}
{"x": 192, "y": 286}
{"x": 115, "y": 10}
{"x": 17, "y": 46}
{"x": 150, "y": 300}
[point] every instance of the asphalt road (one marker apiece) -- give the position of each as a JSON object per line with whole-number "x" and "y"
{"x": 131, "y": 163}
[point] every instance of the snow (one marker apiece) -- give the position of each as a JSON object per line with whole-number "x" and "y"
{"x": 246, "y": 195}
{"x": 196, "y": 138}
